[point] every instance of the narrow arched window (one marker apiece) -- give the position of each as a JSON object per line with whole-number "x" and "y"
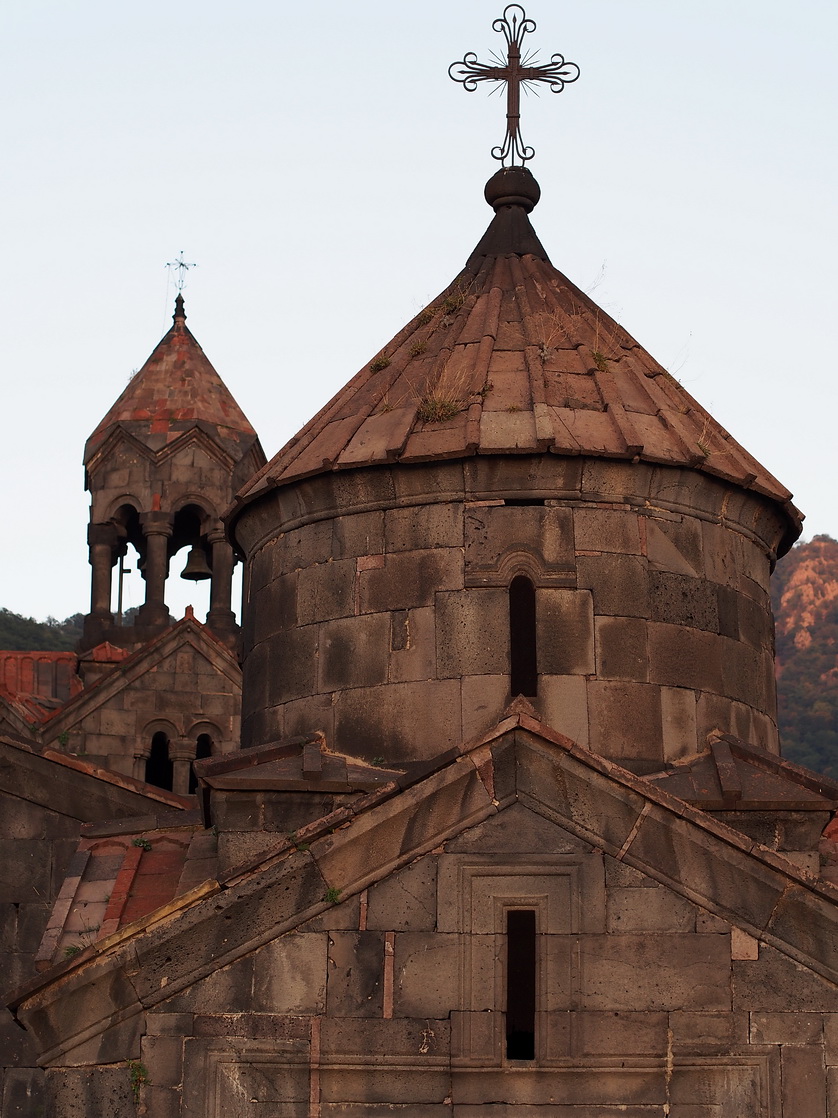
{"x": 203, "y": 748}
{"x": 523, "y": 664}
{"x": 521, "y": 970}
{"x": 159, "y": 769}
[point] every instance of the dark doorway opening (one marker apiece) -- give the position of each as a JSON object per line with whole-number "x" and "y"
{"x": 203, "y": 748}
{"x": 520, "y": 984}
{"x": 523, "y": 664}
{"x": 159, "y": 769}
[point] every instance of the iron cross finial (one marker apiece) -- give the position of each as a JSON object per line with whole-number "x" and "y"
{"x": 517, "y": 71}
{"x": 178, "y": 269}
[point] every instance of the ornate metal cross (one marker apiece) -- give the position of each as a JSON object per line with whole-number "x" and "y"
{"x": 516, "y": 72}
{"x": 178, "y": 268}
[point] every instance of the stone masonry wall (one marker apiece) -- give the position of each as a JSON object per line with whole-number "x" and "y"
{"x": 378, "y": 610}
{"x": 392, "y": 1001}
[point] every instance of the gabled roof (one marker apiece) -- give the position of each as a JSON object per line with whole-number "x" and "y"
{"x": 361, "y": 843}
{"x": 735, "y": 776}
{"x": 188, "y": 632}
{"x": 175, "y": 390}
{"x": 512, "y": 358}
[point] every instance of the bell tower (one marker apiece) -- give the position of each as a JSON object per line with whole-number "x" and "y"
{"x": 161, "y": 467}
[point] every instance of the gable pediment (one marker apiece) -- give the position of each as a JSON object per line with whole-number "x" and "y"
{"x": 178, "y": 650}
{"x": 365, "y": 842}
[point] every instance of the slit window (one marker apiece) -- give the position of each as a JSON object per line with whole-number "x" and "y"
{"x": 523, "y": 666}
{"x": 159, "y": 769}
{"x": 521, "y": 966}
{"x": 203, "y": 748}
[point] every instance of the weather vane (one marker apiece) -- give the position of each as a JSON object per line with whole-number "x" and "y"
{"x": 179, "y": 268}
{"x": 515, "y": 72}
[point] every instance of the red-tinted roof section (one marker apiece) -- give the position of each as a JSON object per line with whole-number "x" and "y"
{"x": 177, "y": 389}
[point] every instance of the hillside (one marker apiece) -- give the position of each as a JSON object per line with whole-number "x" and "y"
{"x": 804, "y": 595}
{"x": 23, "y": 633}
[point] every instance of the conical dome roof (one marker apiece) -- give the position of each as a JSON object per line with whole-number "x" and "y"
{"x": 512, "y": 358}
{"x": 176, "y": 389}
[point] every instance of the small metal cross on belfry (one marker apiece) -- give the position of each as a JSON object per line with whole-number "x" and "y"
{"x": 179, "y": 269}
{"x": 517, "y": 71}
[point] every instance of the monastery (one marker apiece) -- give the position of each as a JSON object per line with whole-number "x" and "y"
{"x": 482, "y": 811}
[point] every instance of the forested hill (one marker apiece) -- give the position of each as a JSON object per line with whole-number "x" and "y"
{"x": 24, "y": 633}
{"x": 804, "y": 594}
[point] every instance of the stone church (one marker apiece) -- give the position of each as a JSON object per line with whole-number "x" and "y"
{"x": 482, "y": 813}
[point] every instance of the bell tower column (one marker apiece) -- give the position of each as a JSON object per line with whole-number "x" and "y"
{"x": 103, "y": 541}
{"x": 221, "y": 618}
{"x": 157, "y": 528}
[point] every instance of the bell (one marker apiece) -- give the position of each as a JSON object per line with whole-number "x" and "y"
{"x": 197, "y": 568}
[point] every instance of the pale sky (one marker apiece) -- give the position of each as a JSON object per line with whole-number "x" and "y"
{"x": 326, "y": 175}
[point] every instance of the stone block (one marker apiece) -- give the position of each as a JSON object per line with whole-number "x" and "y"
{"x": 326, "y": 591}
{"x": 289, "y": 974}
{"x": 24, "y": 871}
{"x": 675, "y": 545}
{"x": 562, "y": 702}
{"x": 625, "y": 722}
{"x": 472, "y": 633}
{"x": 680, "y": 600}
{"x": 484, "y": 699}
{"x": 565, "y": 631}
{"x": 421, "y": 526}
{"x": 406, "y": 720}
{"x": 722, "y": 553}
{"x": 355, "y": 974}
{"x": 386, "y": 1085}
{"x": 412, "y": 645}
{"x": 618, "y": 1033}
{"x": 229, "y": 989}
{"x": 163, "y": 1056}
{"x": 610, "y": 1091}
{"x": 354, "y": 652}
{"x": 621, "y": 651}
{"x": 619, "y": 584}
{"x": 774, "y": 982}
{"x": 292, "y": 664}
{"x": 654, "y": 972}
{"x": 406, "y": 900}
{"x": 427, "y": 970}
{"x": 305, "y": 546}
{"x": 358, "y": 534}
{"x": 649, "y": 910}
{"x": 789, "y": 1028}
{"x": 680, "y": 657}
{"x": 698, "y": 1031}
{"x": 395, "y": 1037}
{"x": 804, "y": 1084}
{"x": 496, "y": 534}
{"x": 678, "y": 721}
{"x": 410, "y": 579}
{"x": 82, "y": 1092}
{"x": 304, "y": 716}
{"x": 606, "y": 530}
{"x": 808, "y": 923}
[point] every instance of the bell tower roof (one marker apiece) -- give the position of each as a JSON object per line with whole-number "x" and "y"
{"x": 176, "y": 389}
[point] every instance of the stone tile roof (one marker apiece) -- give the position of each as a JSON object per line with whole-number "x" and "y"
{"x": 38, "y": 682}
{"x": 176, "y": 390}
{"x": 512, "y": 358}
